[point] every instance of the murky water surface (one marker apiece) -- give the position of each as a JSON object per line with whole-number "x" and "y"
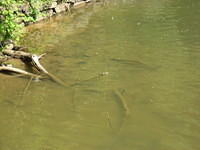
{"x": 138, "y": 55}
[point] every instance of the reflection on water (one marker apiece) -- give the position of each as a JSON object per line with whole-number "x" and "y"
{"x": 147, "y": 51}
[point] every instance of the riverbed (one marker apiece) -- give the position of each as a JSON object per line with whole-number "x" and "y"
{"x": 138, "y": 56}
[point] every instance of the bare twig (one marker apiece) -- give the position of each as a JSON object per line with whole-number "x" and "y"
{"x": 25, "y": 90}
{"x": 42, "y": 55}
{"x": 28, "y": 85}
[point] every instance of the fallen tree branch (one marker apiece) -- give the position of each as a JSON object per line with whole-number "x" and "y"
{"x": 36, "y": 63}
{"x": 16, "y": 70}
{"x": 16, "y": 54}
{"x": 33, "y": 59}
{"x": 42, "y": 55}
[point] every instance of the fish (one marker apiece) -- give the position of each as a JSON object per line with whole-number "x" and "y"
{"x": 135, "y": 63}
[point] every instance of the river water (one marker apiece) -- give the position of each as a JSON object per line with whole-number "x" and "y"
{"x": 132, "y": 70}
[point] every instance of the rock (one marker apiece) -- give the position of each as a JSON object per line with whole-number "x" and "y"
{"x": 71, "y": 1}
{"x": 40, "y": 18}
{"x": 60, "y": 8}
{"x": 24, "y": 9}
{"x": 53, "y": 5}
{"x": 79, "y": 0}
{"x": 6, "y": 42}
{"x": 49, "y": 12}
{"x": 79, "y": 4}
{"x": 9, "y": 46}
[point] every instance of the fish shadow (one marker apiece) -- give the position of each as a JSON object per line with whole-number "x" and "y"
{"x": 133, "y": 64}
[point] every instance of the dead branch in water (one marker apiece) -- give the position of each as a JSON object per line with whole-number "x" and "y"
{"x": 42, "y": 55}
{"x": 17, "y": 54}
{"x": 27, "y": 86}
{"x": 16, "y": 70}
{"x": 25, "y": 90}
{"x": 36, "y": 63}
{"x": 33, "y": 59}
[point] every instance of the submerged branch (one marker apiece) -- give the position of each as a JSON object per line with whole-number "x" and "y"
{"x": 33, "y": 59}
{"x": 25, "y": 90}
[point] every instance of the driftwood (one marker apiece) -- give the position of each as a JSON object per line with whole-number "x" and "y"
{"x": 16, "y": 70}
{"x": 36, "y": 63}
{"x": 17, "y": 54}
{"x": 33, "y": 59}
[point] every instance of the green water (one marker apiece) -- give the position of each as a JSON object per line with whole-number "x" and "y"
{"x": 146, "y": 51}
